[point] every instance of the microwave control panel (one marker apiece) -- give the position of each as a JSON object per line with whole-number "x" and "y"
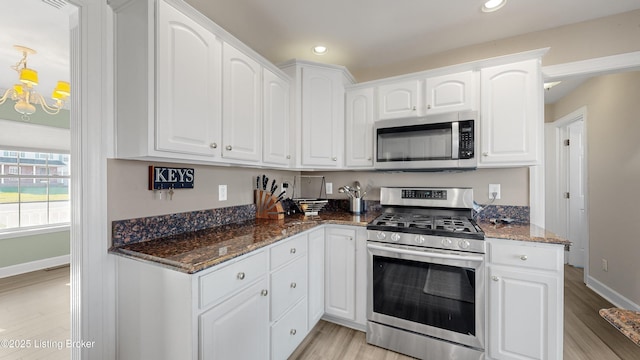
{"x": 466, "y": 140}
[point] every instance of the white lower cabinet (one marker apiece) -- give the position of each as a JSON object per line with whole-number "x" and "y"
{"x": 288, "y": 332}
{"x": 525, "y": 293}
{"x": 237, "y": 327}
{"x": 345, "y": 276}
{"x": 316, "y": 276}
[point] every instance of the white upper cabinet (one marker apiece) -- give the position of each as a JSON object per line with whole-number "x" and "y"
{"x": 242, "y": 106}
{"x": 399, "y": 100}
{"x": 453, "y": 92}
{"x": 318, "y": 108}
{"x": 359, "y": 128}
{"x": 275, "y": 92}
{"x": 189, "y": 57}
{"x": 511, "y": 114}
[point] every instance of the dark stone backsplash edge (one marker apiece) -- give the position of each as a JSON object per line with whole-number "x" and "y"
{"x": 517, "y": 214}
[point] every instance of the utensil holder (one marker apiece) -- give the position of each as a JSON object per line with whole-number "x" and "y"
{"x": 356, "y": 205}
{"x": 267, "y": 205}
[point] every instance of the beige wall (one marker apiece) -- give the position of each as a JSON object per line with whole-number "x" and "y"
{"x": 613, "y": 180}
{"x": 129, "y": 196}
{"x": 514, "y": 182}
{"x": 610, "y": 35}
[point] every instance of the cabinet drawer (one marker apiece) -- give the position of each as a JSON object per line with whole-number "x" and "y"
{"x": 289, "y": 332}
{"x": 288, "y": 250}
{"x": 507, "y": 253}
{"x": 288, "y": 286}
{"x": 223, "y": 282}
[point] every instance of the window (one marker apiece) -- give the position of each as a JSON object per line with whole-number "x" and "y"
{"x": 34, "y": 189}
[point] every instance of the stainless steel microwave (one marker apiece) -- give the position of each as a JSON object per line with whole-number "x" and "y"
{"x": 438, "y": 142}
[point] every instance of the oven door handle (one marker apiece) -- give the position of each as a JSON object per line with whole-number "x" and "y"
{"x": 425, "y": 254}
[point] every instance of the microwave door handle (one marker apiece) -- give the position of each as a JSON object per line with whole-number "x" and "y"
{"x": 455, "y": 140}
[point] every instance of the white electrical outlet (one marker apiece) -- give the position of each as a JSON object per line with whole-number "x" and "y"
{"x": 329, "y": 187}
{"x": 222, "y": 192}
{"x": 605, "y": 265}
{"x": 494, "y": 191}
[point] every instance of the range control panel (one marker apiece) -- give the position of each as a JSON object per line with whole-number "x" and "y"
{"x": 429, "y": 194}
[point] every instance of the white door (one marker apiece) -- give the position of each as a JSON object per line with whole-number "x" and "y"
{"x": 576, "y": 175}
{"x": 276, "y": 120}
{"x": 398, "y": 100}
{"x": 316, "y": 276}
{"x": 359, "y": 128}
{"x": 453, "y": 92}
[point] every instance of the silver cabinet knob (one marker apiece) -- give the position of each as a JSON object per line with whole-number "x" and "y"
{"x": 369, "y": 158}
{"x": 523, "y": 257}
{"x": 413, "y": 108}
{"x": 228, "y": 147}
{"x": 293, "y": 285}
{"x": 293, "y": 332}
{"x": 240, "y": 276}
{"x": 288, "y": 157}
{"x": 334, "y": 158}
{"x": 213, "y": 145}
{"x": 429, "y": 107}
{"x": 264, "y": 292}
{"x": 293, "y": 250}
{"x": 485, "y": 154}
{"x": 495, "y": 278}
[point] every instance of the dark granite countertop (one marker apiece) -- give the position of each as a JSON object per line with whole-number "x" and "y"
{"x": 522, "y": 232}
{"x": 198, "y": 250}
{"x": 194, "y": 251}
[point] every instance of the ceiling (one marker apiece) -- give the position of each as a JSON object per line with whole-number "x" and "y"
{"x": 360, "y": 34}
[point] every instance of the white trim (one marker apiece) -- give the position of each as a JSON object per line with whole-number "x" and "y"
{"x": 34, "y": 266}
{"x": 34, "y": 231}
{"x": 595, "y": 66}
{"x": 611, "y": 295}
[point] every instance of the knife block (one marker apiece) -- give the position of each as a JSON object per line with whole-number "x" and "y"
{"x": 267, "y": 206}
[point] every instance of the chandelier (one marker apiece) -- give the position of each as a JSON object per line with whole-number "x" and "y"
{"x": 24, "y": 94}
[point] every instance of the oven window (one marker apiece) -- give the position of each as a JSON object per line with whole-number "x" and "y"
{"x": 431, "y": 294}
{"x": 414, "y": 143}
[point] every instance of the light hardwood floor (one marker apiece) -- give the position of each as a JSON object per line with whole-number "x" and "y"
{"x": 36, "y": 306}
{"x": 35, "y": 309}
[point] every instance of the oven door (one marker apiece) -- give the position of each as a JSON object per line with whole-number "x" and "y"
{"x": 428, "y": 291}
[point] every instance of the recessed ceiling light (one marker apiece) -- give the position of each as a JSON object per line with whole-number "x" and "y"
{"x": 493, "y": 5}
{"x": 320, "y": 49}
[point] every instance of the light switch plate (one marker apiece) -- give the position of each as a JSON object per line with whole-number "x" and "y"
{"x": 329, "y": 188}
{"x": 222, "y": 192}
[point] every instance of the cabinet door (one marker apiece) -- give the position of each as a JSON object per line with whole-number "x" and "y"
{"x": 288, "y": 286}
{"x": 340, "y": 273}
{"x": 316, "y": 276}
{"x": 288, "y": 332}
{"x": 398, "y": 100}
{"x": 275, "y": 91}
{"x": 454, "y": 92}
{"x": 188, "y": 98}
{"x": 242, "y": 319}
{"x": 523, "y": 314}
{"x": 322, "y": 117}
{"x": 242, "y": 110}
{"x": 359, "y": 128}
{"x": 511, "y": 114}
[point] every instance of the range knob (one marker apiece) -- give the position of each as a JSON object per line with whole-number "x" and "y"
{"x": 446, "y": 242}
{"x": 464, "y": 244}
{"x": 395, "y": 237}
{"x": 380, "y": 235}
{"x": 419, "y": 239}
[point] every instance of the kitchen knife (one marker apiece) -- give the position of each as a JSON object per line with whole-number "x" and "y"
{"x": 273, "y": 187}
{"x": 281, "y": 196}
{"x": 265, "y": 181}
{"x": 258, "y": 182}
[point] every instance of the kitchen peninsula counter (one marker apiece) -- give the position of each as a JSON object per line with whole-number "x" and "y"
{"x": 521, "y": 232}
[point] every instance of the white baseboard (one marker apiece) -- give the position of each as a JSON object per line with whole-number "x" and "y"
{"x": 33, "y": 266}
{"x": 611, "y": 295}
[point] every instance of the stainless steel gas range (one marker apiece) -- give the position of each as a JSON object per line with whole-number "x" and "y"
{"x": 426, "y": 264}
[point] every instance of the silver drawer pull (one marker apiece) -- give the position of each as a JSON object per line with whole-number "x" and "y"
{"x": 264, "y": 292}
{"x": 523, "y": 257}
{"x": 495, "y": 278}
{"x": 240, "y": 276}
{"x": 293, "y": 250}
{"x": 229, "y": 148}
{"x": 214, "y": 145}
{"x": 293, "y": 285}
{"x": 293, "y": 332}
